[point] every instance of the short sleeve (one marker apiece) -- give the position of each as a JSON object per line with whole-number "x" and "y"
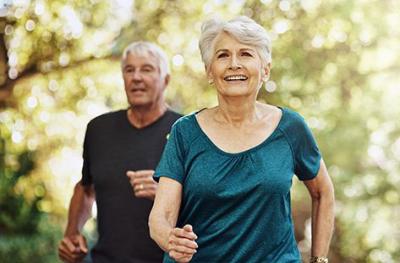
{"x": 86, "y": 175}
{"x": 171, "y": 164}
{"x": 306, "y": 154}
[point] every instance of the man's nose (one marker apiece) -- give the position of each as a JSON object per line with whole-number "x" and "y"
{"x": 137, "y": 75}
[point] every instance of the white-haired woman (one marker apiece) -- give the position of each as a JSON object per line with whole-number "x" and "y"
{"x": 226, "y": 172}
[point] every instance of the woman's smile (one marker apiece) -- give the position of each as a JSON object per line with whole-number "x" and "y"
{"x": 236, "y": 68}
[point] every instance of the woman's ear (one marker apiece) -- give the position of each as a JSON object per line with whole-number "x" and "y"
{"x": 210, "y": 77}
{"x": 266, "y": 71}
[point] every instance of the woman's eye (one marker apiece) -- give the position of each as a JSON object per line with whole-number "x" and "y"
{"x": 247, "y": 54}
{"x": 222, "y": 55}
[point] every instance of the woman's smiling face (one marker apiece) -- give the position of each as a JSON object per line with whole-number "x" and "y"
{"x": 235, "y": 68}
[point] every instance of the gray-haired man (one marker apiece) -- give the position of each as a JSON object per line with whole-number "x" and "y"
{"x": 120, "y": 152}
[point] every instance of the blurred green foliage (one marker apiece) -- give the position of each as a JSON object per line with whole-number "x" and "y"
{"x": 25, "y": 235}
{"x": 335, "y": 62}
{"x": 16, "y": 214}
{"x": 36, "y": 248}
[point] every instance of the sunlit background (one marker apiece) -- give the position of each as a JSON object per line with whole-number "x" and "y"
{"x": 336, "y": 62}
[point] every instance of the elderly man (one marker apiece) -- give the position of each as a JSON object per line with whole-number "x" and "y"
{"x": 120, "y": 151}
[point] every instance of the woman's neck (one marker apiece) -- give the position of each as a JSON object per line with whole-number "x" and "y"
{"x": 237, "y": 111}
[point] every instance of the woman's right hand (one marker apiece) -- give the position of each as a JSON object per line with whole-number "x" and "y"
{"x": 182, "y": 244}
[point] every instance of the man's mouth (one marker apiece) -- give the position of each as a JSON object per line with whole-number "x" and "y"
{"x": 134, "y": 90}
{"x": 236, "y": 78}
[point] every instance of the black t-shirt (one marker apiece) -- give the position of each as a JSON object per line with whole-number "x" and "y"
{"x": 112, "y": 147}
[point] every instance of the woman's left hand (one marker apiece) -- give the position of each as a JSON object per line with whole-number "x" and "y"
{"x": 181, "y": 244}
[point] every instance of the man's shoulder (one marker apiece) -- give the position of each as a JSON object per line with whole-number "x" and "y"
{"x": 107, "y": 117}
{"x": 172, "y": 115}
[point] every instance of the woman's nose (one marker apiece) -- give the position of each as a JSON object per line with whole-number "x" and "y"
{"x": 235, "y": 63}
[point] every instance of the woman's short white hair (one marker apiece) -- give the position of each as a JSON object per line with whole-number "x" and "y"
{"x": 143, "y": 48}
{"x": 243, "y": 28}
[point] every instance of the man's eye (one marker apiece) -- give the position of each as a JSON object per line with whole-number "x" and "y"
{"x": 147, "y": 69}
{"x": 222, "y": 55}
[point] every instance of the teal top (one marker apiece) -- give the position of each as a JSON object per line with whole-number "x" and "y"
{"x": 239, "y": 203}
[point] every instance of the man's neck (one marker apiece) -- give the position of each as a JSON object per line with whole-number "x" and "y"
{"x": 141, "y": 117}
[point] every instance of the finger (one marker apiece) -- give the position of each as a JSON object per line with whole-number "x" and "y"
{"x": 179, "y": 232}
{"x": 138, "y": 187}
{"x": 130, "y": 173}
{"x": 180, "y": 257}
{"x": 184, "y": 260}
{"x": 144, "y": 180}
{"x": 65, "y": 256}
{"x": 186, "y": 243}
{"x": 145, "y": 193}
{"x": 185, "y": 250}
{"x": 82, "y": 244}
{"x": 78, "y": 257}
{"x": 144, "y": 173}
{"x": 176, "y": 255}
{"x": 188, "y": 228}
{"x": 144, "y": 187}
{"x": 184, "y": 246}
{"x": 62, "y": 255}
{"x": 67, "y": 242}
{"x": 182, "y": 241}
{"x": 70, "y": 256}
{"x": 148, "y": 193}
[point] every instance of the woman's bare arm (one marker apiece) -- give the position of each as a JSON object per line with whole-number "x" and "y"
{"x": 323, "y": 203}
{"x": 178, "y": 242}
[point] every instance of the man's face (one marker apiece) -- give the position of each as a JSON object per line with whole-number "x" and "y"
{"x": 144, "y": 84}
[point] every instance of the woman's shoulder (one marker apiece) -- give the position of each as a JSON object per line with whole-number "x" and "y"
{"x": 184, "y": 121}
{"x": 186, "y": 129}
{"x": 291, "y": 116}
{"x": 186, "y": 125}
{"x": 191, "y": 120}
{"x": 293, "y": 123}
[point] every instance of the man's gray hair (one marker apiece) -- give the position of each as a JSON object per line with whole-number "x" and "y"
{"x": 143, "y": 48}
{"x": 244, "y": 29}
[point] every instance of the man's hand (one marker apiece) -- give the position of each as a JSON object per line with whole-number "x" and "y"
{"x": 73, "y": 248}
{"x": 142, "y": 183}
{"x": 181, "y": 244}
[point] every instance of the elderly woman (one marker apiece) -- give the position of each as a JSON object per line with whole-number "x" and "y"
{"x": 226, "y": 172}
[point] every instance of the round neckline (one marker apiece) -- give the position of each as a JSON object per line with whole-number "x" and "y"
{"x": 254, "y": 148}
